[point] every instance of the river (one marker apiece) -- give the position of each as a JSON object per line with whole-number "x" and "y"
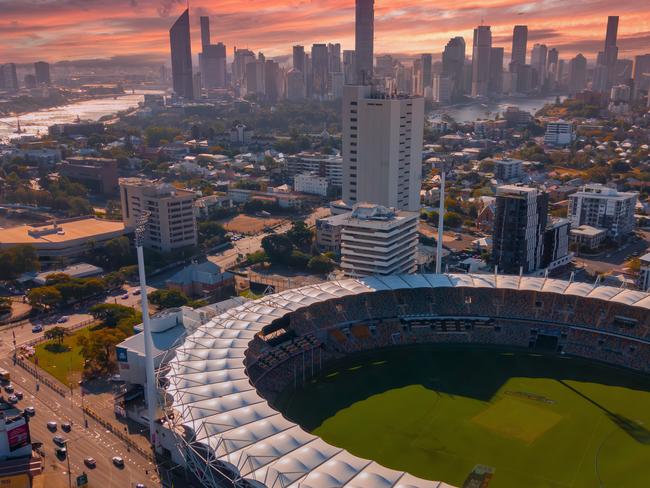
{"x": 38, "y": 122}
{"x": 474, "y": 110}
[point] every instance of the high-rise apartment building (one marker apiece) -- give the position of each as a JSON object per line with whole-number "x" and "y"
{"x": 295, "y": 85}
{"x": 453, "y": 64}
{"x": 334, "y": 53}
{"x": 603, "y": 207}
{"x": 482, "y": 47}
{"x": 299, "y": 58}
{"x": 42, "y": 73}
{"x": 519, "y": 224}
{"x": 242, "y": 58}
{"x": 364, "y": 40}
{"x": 181, "y": 54}
{"x": 519, "y": 46}
{"x": 376, "y": 240}
{"x": 172, "y": 224}
{"x": 382, "y": 148}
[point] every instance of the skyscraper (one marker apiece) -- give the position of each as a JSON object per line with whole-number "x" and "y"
{"x": 426, "y": 73}
{"x": 519, "y": 225}
{"x": 8, "y": 77}
{"x": 299, "y": 58}
{"x": 482, "y": 46}
{"x": 495, "y": 83}
{"x": 212, "y": 59}
{"x": 42, "y": 72}
{"x": 320, "y": 70}
{"x": 606, "y": 64}
{"x": 538, "y": 62}
{"x": 453, "y": 63}
{"x": 641, "y": 74}
{"x": 364, "y": 40}
{"x": 205, "y": 32}
{"x": 519, "y": 46}
{"x": 349, "y": 66}
{"x": 577, "y": 74}
{"x": 334, "y": 53}
{"x": 382, "y": 148}
{"x": 181, "y": 52}
{"x": 552, "y": 62}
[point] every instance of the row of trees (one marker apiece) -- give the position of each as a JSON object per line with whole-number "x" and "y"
{"x": 16, "y": 260}
{"x": 60, "y": 289}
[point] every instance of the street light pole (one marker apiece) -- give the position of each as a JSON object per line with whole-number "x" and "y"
{"x": 151, "y": 390}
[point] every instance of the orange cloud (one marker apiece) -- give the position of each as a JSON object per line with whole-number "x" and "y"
{"x": 72, "y": 29}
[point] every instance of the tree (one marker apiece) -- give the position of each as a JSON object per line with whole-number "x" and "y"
{"x": 211, "y": 234}
{"x": 5, "y": 305}
{"x": 17, "y": 260}
{"x": 55, "y": 334}
{"x": 452, "y": 219}
{"x": 111, "y": 313}
{"x": 44, "y": 297}
{"x": 98, "y": 348}
{"x": 320, "y": 264}
{"x": 168, "y": 298}
{"x": 277, "y": 247}
{"x": 300, "y": 235}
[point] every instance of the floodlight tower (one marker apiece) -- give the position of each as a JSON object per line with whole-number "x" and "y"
{"x": 151, "y": 390}
{"x": 441, "y": 219}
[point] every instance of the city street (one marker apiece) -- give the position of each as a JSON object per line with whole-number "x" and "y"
{"x": 94, "y": 441}
{"x": 24, "y": 332}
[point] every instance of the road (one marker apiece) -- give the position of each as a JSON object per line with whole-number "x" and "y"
{"x": 615, "y": 261}
{"x": 94, "y": 441}
{"x": 24, "y": 334}
{"x": 247, "y": 245}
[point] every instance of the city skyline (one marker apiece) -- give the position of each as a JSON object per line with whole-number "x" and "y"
{"x": 403, "y": 27}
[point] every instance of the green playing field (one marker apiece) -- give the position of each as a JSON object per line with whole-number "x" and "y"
{"x": 439, "y": 411}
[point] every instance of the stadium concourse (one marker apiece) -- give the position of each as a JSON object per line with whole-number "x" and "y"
{"x": 225, "y": 376}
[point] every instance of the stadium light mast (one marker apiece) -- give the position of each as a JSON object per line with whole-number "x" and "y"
{"x": 140, "y": 231}
{"x": 441, "y": 220}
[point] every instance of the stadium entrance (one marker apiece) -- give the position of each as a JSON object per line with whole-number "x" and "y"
{"x": 546, "y": 343}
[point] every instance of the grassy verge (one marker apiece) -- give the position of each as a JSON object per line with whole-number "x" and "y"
{"x": 64, "y": 360}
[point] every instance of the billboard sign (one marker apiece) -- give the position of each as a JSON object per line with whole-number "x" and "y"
{"x": 18, "y": 437}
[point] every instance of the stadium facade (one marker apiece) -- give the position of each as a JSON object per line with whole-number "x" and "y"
{"x": 223, "y": 380}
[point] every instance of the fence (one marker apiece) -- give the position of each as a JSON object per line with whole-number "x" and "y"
{"x": 72, "y": 328}
{"x": 41, "y": 376}
{"x": 119, "y": 434}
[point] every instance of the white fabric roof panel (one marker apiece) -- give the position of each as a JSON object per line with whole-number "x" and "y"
{"x": 214, "y": 397}
{"x": 416, "y": 281}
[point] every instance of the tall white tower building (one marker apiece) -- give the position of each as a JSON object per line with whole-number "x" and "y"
{"x": 382, "y": 148}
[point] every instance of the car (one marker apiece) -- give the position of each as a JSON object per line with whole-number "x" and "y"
{"x": 136, "y": 292}
{"x": 125, "y": 296}
{"x": 19, "y": 395}
{"x": 9, "y": 388}
{"x": 52, "y": 425}
{"x": 58, "y": 440}
{"x": 13, "y": 399}
{"x": 37, "y": 328}
{"x": 66, "y": 427}
{"x": 31, "y": 411}
{"x": 61, "y": 452}
{"x": 139, "y": 485}
{"x": 118, "y": 461}
{"x": 90, "y": 462}
{"x": 63, "y": 320}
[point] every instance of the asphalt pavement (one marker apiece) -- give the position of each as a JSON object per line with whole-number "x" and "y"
{"x": 93, "y": 441}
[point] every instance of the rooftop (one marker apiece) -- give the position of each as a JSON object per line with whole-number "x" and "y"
{"x": 82, "y": 228}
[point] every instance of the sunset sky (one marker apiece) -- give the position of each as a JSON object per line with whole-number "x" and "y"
{"x": 56, "y": 30}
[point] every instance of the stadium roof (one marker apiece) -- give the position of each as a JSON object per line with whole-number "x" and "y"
{"x": 213, "y": 396}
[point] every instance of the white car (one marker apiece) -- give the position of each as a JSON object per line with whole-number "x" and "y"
{"x": 37, "y": 328}
{"x": 63, "y": 320}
